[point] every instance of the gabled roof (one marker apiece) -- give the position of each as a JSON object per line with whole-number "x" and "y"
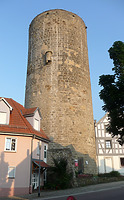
{"x": 102, "y": 119}
{"x": 40, "y": 163}
{"x": 3, "y": 99}
{"x": 18, "y": 123}
{"x": 30, "y": 111}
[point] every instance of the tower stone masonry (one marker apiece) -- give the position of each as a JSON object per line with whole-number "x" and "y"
{"x": 58, "y": 81}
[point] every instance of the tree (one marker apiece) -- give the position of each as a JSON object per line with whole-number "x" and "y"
{"x": 112, "y": 93}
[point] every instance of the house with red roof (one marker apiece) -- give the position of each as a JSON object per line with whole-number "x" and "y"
{"x": 23, "y": 149}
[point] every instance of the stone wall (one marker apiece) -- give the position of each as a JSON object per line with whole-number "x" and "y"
{"x": 57, "y": 151}
{"x": 68, "y": 153}
{"x": 58, "y": 81}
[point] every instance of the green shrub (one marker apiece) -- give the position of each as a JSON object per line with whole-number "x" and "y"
{"x": 110, "y": 174}
{"x": 114, "y": 174}
{"x": 58, "y": 177}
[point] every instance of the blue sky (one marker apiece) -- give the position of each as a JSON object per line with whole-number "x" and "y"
{"x": 105, "y": 22}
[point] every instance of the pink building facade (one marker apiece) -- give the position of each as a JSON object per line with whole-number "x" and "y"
{"x": 23, "y": 149}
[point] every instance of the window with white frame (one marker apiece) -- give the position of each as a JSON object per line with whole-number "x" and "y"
{"x": 3, "y": 117}
{"x": 10, "y": 144}
{"x": 122, "y": 162}
{"x": 108, "y": 144}
{"x": 11, "y": 172}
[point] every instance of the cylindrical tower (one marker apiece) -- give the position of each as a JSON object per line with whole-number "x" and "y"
{"x": 58, "y": 79}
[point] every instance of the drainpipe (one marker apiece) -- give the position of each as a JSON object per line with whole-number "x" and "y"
{"x": 39, "y": 168}
{"x": 30, "y": 187}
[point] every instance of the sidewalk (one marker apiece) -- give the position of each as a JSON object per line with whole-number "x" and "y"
{"x": 68, "y": 192}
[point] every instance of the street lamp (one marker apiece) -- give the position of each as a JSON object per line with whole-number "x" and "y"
{"x": 39, "y": 168}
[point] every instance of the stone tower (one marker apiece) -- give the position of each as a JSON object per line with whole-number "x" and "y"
{"x": 58, "y": 81}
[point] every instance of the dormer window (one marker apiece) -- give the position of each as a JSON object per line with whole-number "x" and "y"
{"x": 33, "y": 116}
{"x": 3, "y": 117}
{"x": 5, "y": 110}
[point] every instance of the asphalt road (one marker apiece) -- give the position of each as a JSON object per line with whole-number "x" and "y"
{"x": 103, "y": 194}
{"x": 104, "y": 191}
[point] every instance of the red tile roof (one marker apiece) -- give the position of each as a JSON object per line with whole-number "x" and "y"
{"x": 28, "y": 111}
{"x": 41, "y": 163}
{"x": 18, "y": 123}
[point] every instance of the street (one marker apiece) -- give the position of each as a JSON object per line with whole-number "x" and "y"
{"x": 103, "y": 194}
{"x": 104, "y": 191}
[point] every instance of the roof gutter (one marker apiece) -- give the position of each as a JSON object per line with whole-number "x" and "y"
{"x": 26, "y": 135}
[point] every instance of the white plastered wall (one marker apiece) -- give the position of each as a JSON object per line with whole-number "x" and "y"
{"x": 116, "y": 165}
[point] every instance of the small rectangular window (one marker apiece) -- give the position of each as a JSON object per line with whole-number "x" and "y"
{"x": 39, "y": 144}
{"x": 122, "y": 162}
{"x": 10, "y": 144}
{"x": 45, "y": 148}
{"x": 108, "y": 144}
{"x": 45, "y": 154}
{"x": 38, "y": 151}
{"x": 11, "y": 172}
{"x": 45, "y": 151}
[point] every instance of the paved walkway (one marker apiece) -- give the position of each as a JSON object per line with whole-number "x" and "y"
{"x": 68, "y": 192}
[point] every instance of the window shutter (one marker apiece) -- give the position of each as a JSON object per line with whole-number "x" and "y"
{"x": 36, "y": 124}
{"x": 2, "y": 118}
{"x": 11, "y": 172}
{"x": 8, "y": 143}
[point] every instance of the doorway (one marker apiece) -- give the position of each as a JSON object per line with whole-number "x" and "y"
{"x": 108, "y": 165}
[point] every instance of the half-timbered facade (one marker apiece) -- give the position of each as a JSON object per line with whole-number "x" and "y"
{"x": 110, "y": 155}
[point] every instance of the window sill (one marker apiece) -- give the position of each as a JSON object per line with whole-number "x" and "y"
{"x": 11, "y": 177}
{"x": 10, "y": 151}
